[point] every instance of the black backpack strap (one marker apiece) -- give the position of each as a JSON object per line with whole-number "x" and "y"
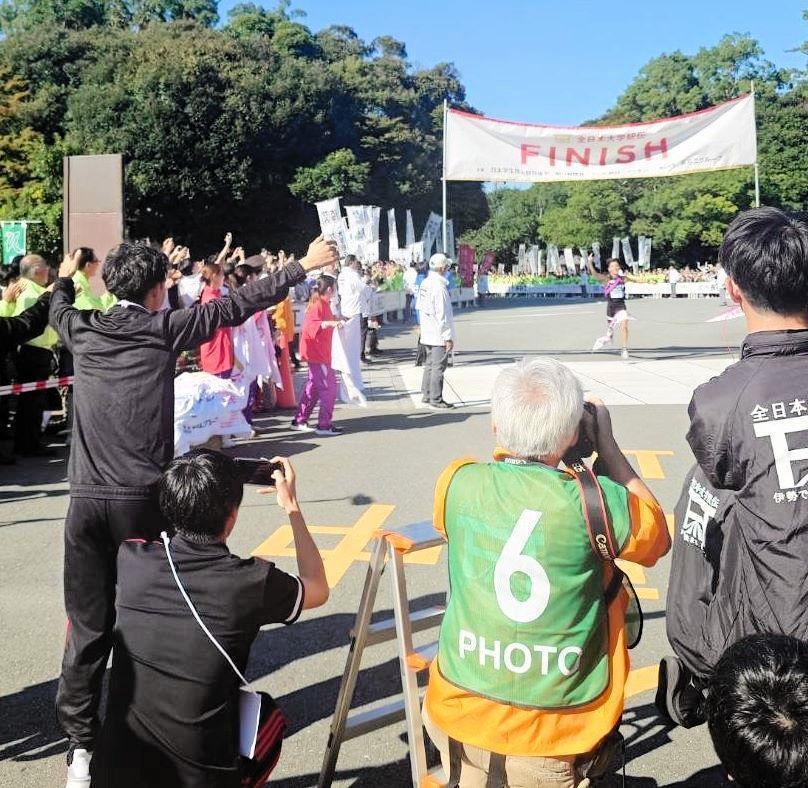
{"x": 496, "y": 771}
{"x": 455, "y": 762}
{"x": 598, "y": 526}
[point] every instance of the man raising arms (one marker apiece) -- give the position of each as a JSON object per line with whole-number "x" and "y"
{"x": 122, "y": 440}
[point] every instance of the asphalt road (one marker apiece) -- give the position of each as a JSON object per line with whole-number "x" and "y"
{"x": 381, "y": 471}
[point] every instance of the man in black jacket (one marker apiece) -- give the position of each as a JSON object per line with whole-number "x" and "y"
{"x": 741, "y": 548}
{"x": 122, "y": 440}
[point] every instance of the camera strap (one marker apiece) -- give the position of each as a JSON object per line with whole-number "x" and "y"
{"x": 604, "y": 542}
{"x": 596, "y": 515}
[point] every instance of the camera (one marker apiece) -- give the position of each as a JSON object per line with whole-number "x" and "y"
{"x": 587, "y": 429}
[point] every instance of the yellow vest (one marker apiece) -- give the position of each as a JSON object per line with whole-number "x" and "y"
{"x": 48, "y": 338}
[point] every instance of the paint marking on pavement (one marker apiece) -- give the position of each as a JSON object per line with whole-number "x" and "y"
{"x": 642, "y": 680}
{"x": 648, "y": 461}
{"x": 337, "y": 560}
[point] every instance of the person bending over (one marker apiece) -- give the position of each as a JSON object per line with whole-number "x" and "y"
{"x": 122, "y": 440}
{"x": 172, "y": 715}
{"x": 741, "y": 544}
{"x": 532, "y": 660}
{"x": 757, "y": 711}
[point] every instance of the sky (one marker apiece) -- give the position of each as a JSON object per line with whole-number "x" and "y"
{"x": 560, "y": 62}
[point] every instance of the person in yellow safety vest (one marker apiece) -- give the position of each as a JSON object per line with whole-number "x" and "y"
{"x": 87, "y": 266}
{"x": 35, "y": 361}
{"x": 528, "y": 684}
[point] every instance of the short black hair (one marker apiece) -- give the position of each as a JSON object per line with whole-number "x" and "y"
{"x": 765, "y": 252}
{"x": 198, "y": 492}
{"x": 757, "y": 711}
{"x": 131, "y": 270}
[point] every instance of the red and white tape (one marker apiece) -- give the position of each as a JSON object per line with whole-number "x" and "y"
{"x": 37, "y": 385}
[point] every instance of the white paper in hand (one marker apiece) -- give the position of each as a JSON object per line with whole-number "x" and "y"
{"x": 249, "y": 713}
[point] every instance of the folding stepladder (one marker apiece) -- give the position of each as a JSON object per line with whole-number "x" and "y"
{"x": 392, "y": 545}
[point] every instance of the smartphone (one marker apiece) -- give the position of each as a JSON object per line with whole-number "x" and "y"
{"x": 258, "y": 471}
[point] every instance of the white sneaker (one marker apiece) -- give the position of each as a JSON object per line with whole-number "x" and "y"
{"x": 624, "y": 354}
{"x": 78, "y": 772}
{"x": 298, "y": 427}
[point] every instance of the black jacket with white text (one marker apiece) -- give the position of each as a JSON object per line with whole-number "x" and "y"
{"x": 740, "y": 553}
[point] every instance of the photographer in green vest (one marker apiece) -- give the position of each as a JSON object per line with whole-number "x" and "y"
{"x": 528, "y": 685}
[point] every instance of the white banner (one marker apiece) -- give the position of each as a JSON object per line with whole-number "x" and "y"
{"x": 392, "y": 233}
{"x": 431, "y": 230}
{"x": 484, "y": 149}
{"x": 450, "y": 251}
{"x": 332, "y": 225}
{"x": 409, "y": 238}
{"x": 596, "y": 252}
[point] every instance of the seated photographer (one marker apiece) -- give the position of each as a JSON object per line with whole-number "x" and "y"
{"x": 532, "y": 663}
{"x": 757, "y": 711}
{"x": 173, "y": 716}
{"x": 741, "y": 545}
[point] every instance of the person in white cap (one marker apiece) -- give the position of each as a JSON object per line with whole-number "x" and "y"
{"x": 437, "y": 330}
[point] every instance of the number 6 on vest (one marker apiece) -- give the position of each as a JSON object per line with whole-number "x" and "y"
{"x": 511, "y": 560}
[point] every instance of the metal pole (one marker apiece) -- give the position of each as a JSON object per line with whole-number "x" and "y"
{"x": 445, "y": 115}
{"x": 757, "y": 169}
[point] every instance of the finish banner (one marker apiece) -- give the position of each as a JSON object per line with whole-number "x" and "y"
{"x": 485, "y": 149}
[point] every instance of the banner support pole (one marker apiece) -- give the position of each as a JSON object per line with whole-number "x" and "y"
{"x": 757, "y": 169}
{"x": 445, "y": 115}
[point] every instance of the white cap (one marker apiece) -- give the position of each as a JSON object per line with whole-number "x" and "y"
{"x": 439, "y": 262}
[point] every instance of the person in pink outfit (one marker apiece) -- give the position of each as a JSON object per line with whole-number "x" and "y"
{"x": 315, "y": 347}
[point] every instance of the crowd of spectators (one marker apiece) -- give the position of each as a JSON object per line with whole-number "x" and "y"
{"x": 528, "y": 683}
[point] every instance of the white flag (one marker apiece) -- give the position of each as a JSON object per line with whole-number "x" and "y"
{"x": 409, "y": 238}
{"x": 332, "y": 225}
{"x": 392, "y": 232}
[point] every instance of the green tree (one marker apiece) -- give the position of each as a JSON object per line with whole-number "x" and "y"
{"x": 338, "y": 174}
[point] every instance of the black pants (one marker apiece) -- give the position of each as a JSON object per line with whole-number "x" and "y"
{"x": 437, "y": 359}
{"x": 33, "y": 363}
{"x": 94, "y": 528}
{"x": 364, "y": 324}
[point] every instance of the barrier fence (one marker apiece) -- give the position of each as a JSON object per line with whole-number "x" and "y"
{"x": 38, "y": 385}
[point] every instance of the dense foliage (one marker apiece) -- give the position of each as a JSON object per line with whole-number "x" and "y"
{"x": 687, "y": 215}
{"x": 238, "y": 126}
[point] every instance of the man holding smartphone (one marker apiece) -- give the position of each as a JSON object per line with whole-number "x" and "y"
{"x": 172, "y": 713}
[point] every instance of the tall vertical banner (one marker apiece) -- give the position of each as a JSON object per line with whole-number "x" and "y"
{"x": 615, "y": 249}
{"x": 596, "y": 252}
{"x": 553, "y": 262}
{"x": 331, "y": 224}
{"x": 477, "y": 148}
{"x": 14, "y": 240}
{"x": 569, "y": 260}
{"x": 465, "y": 264}
{"x": 409, "y": 238}
{"x": 431, "y": 230}
{"x": 392, "y": 234}
{"x": 450, "y": 250}
{"x": 628, "y": 255}
{"x": 488, "y": 262}
{"x": 521, "y": 259}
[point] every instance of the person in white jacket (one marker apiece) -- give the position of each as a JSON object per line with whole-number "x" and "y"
{"x": 437, "y": 330}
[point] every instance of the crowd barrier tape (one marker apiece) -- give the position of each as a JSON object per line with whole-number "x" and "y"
{"x": 37, "y": 385}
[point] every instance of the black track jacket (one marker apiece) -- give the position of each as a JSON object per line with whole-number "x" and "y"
{"x": 123, "y": 433}
{"x": 740, "y": 553}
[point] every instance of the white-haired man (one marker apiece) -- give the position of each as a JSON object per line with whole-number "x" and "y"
{"x": 437, "y": 330}
{"x": 528, "y": 685}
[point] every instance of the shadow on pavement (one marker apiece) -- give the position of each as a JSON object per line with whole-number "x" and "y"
{"x": 28, "y": 727}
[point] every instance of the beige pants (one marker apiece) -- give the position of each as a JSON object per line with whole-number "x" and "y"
{"x": 521, "y": 771}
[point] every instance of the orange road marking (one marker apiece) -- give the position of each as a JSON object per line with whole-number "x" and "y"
{"x": 648, "y": 462}
{"x": 642, "y": 680}
{"x": 350, "y": 548}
